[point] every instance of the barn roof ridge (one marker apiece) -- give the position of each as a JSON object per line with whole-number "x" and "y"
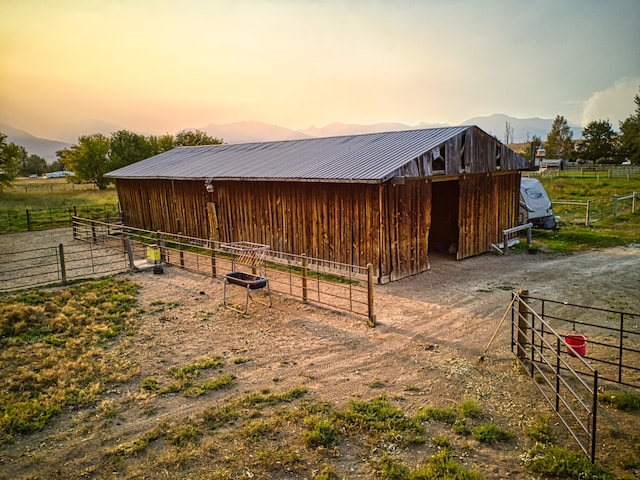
{"x": 367, "y": 158}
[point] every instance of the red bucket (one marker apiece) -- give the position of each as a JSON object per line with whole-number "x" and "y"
{"x": 576, "y": 344}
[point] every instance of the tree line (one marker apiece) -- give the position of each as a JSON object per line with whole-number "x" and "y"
{"x": 95, "y": 155}
{"x": 599, "y": 142}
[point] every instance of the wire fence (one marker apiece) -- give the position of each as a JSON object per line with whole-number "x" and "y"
{"x": 105, "y": 248}
{"x": 14, "y": 220}
{"x": 568, "y": 211}
{"x": 62, "y": 264}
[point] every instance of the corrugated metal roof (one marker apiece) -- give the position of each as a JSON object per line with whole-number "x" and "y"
{"x": 369, "y": 158}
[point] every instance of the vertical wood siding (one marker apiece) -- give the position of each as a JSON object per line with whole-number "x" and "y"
{"x": 488, "y": 205}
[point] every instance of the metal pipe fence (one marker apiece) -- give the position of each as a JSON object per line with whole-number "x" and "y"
{"x": 543, "y": 338}
{"x": 595, "y": 210}
{"x": 544, "y": 354}
{"x": 58, "y": 265}
{"x": 323, "y": 282}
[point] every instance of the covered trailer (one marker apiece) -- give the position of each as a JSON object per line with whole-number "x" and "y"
{"x": 535, "y": 205}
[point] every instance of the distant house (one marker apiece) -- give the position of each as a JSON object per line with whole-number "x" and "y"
{"x": 388, "y": 199}
{"x": 539, "y": 156}
{"x": 551, "y": 164}
{"x": 60, "y": 174}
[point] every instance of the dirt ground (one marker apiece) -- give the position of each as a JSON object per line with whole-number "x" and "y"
{"x": 432, "y": 329}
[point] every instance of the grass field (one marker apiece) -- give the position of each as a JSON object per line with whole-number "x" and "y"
{"x": 608, "y": 231}
{"x": 40, "y": 193}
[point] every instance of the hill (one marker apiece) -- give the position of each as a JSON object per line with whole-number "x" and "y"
{"x": 34, "y": 145}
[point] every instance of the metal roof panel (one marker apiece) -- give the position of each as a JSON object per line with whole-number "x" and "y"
{"x": 367, "y": 158}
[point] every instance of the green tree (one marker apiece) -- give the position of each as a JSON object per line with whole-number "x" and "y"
{"x": 128, "y": 147}
{"x": 57, "y": 164}
{"x": 11, "y": 156}
{"x": 559, "y": 142}
{"x": 162, "y": 143}
{"x": 89, "y": 160}
{"x": 630, "y": 135}
{"x": 33, "y": 164}
{"x": 599, "y": 142}
{"x": 194, "y": 137}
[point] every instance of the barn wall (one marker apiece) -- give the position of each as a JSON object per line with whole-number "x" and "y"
{"x": 386, "y": 225}
{"x": 405, "y": 229}
{"x": 165, "y": 205}
{"x": 488, "y": 204}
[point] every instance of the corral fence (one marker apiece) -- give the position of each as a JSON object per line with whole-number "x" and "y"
{"x": 590, "y": 171}
{"x": 559, "y": 343}
{"x": 107, "y": 248}
{"x": 594, "y": 210}
{"x": 14, "y": 220}
{"x": 58, "y": 265}
{"x": 333, "y": 284}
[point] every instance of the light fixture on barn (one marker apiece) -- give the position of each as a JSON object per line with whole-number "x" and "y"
{"x": 209, "y": 185}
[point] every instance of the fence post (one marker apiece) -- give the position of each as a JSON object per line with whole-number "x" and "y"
{"x": 586, "y": 221}
{"x": 212, "y": 246}
{"x": 129, "y": 250}
{"x": 28, "y": 220}
{"x": 372, "y": 318}
{"x": 305, "y": 291}
{"x": 594, "y": 417}
{"x": 615, "y": 205}
{"x": 506, "y": 243}
{"x": 164, "y": 255}
{"x": 523, "y": 325}
{"x": 63, "y": 268}
{"x": 633, "y": 202}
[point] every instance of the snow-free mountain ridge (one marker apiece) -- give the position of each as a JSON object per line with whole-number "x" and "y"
{"x": 253, "y": 131}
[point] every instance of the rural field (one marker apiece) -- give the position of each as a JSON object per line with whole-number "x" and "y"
{"x": 185, "y": 388}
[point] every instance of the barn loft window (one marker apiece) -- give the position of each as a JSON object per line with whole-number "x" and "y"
{"x": 437, "y": 161}
{"x": 498, "y": 157}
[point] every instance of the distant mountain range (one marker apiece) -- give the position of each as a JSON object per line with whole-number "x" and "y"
{"x": 34, "y": 145}
{"x": 252, "y": 131}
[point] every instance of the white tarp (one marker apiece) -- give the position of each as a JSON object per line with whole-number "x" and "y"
{"x": 534, "y": 198}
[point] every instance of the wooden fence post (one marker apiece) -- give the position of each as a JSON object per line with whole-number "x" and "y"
{"x": 305, "y": 291}
{"x": 212, "y": 246}
{"x": 28, "y": 221}
{"x": 372, "y": 317}
{"x": 129, "y": 250}
{"x": 633, "y": 202}
{"x": 63, "y": 268}
{"x": 586, "y": 221}
{"x": 164, "y": 255}
{"x": 615, "y": 205}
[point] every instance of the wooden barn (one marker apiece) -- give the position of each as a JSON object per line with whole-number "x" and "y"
{"x": 380, "y": 198}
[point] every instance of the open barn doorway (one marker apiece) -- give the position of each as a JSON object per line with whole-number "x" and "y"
{"x": 444, "y": 231}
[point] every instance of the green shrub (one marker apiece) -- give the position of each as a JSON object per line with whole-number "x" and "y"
{"x": 446, "y": 415}
{"x": 320, "y": 433}
{"x": 490, "y": 433}
{"x": 621, "y": 400}
{"x": 560, "y": 463}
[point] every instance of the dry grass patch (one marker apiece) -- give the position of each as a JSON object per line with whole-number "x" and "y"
{"x": 55, "y": 350}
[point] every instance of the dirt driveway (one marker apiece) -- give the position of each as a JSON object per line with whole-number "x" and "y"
{"x": 431, "y": 330}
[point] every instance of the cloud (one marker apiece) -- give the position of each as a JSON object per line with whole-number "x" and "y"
{"x": 614, "y": 103}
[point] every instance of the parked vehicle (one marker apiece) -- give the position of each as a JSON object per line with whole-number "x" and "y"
{"x": 535, "y": 205}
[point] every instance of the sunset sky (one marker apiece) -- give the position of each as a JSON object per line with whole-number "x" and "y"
{"x": 159, "y": 66}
